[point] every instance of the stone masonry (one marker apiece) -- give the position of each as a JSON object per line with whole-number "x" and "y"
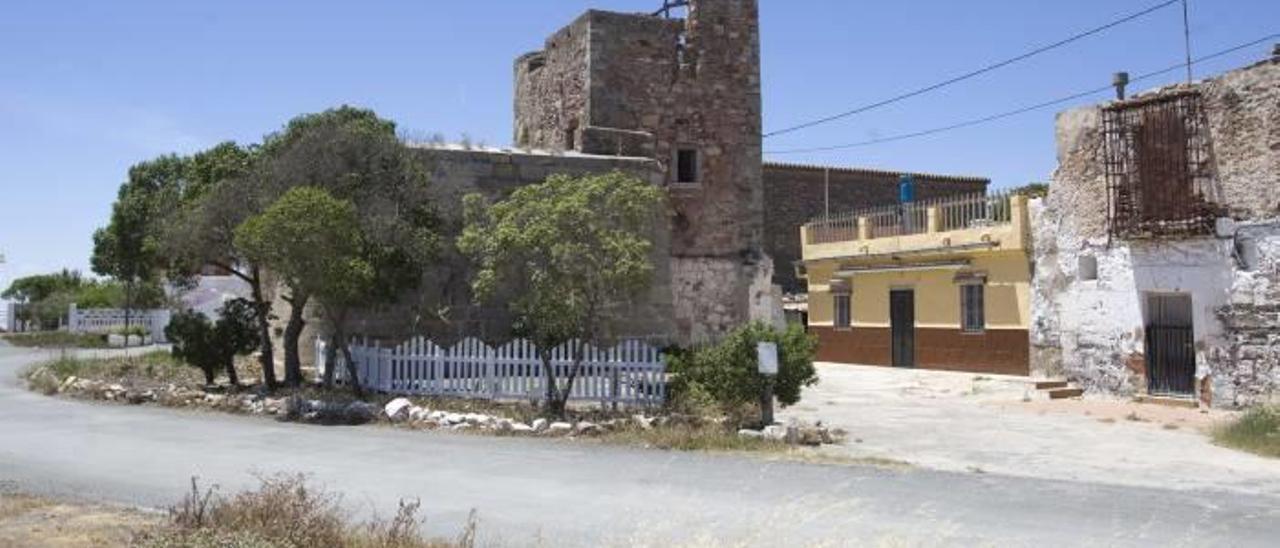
{"x": 630, "y": 84}
{"x": 1088, "y": 308}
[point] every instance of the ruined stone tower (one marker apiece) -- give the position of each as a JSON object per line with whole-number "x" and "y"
{"x": 685, "y": 92}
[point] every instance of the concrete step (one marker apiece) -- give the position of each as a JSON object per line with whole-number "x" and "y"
{"x": 1188, "y": 402}
{"x": 1049, "y": 385}
{"x": 1065, "y": 393}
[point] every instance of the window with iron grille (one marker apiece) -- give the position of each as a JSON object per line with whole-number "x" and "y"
{"x": 1158, "y": 167}
{"x": 843, "y": 304}
{"x": 973, "y": 308}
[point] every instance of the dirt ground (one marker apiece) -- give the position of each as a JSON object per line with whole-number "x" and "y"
{"x": 997, "y": 424}
{"x": 37, "y": 522}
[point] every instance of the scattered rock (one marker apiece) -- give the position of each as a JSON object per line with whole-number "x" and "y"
{"x": 540, "y": 425}
{"x": 359, "y": 412}
{"x": 116, "y": 340}
{"x": 454, "y": 418}
{"x": 398, "y": 409}
{"x": 585, "y": 428}
{"x": 418, "y": 414}
{"x": 462, "y": 426}
{"x": 521, "y": 428}
{"x": 775, "y": 432}
{"x": 559, "y": 428}
{"x": 644, "y": 422}
{"x": 749, "y": 433}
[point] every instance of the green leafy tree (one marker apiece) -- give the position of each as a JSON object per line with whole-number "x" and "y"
{"x": 354, "y": 156}
{"x": 223, "y": 192}
{"x": 572, "y": 253}
{"x": 314, "y": 242}
{"x": 213, "y": 346}
{"x": 729, "y": 371}
{"x": 128, "y": 248}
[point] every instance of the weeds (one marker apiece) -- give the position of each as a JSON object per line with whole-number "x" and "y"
{"x": 286, "y": 512}
{"x": 1257, "y": 431}
{"x": 683, "y": 437}
{"x": 55, "y": 339}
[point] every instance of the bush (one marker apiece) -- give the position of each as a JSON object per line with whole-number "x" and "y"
{"x": 727, "y": 373}
{"x": 214, "y": 346}
{"x": 1257, "y": 431}
{"x": 285, "y": 512}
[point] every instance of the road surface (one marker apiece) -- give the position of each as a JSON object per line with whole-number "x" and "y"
{"x": 563, "y": 493}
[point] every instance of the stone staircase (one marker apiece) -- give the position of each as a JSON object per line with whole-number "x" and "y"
{"x": 1058, "y": 389}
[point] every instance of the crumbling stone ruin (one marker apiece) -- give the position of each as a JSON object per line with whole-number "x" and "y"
{"x": 1163, "y": 221}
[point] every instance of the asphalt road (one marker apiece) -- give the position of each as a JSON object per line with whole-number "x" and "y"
{"x": 561, "y": 493}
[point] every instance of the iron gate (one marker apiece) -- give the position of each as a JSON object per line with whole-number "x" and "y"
{"x": 1171, "y": 346}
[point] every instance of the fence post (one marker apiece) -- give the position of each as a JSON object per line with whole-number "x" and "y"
{"x": 73, "y": 324}
{"x": 864, "y": 228}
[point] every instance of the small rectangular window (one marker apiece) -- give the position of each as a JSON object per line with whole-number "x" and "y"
{"x": 687, "y": 166}
{"x": 841, "y": 306}
{"x": 972, "y": 308}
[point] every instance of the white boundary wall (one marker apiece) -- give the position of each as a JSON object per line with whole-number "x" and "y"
{"x": 633, "y": 372}
{"x": 105, "y": 320}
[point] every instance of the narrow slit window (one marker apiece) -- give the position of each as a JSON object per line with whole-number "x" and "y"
{"x": 687, "y": 166}
{"x": 843, "y": 307}
{"x": 973, "y": 308}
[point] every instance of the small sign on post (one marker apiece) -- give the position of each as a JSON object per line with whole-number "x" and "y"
{"x": 767, "y": 362}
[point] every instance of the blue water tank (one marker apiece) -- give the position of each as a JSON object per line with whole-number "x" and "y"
{"x": 906, "y": 189}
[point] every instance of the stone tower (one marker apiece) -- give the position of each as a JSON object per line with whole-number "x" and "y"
{"x": 685, "y": 92}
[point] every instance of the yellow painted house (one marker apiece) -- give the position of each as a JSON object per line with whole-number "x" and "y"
{"x": 943, "y": 284}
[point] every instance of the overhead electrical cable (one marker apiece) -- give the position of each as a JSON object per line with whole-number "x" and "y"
{"x": 975, "y": 73}
{"x": 1023, "y": 110}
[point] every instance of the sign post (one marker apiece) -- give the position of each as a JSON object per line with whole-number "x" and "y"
{"x": 767, "y": 360}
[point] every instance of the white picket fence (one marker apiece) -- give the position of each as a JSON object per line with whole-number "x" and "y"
{"x": 631, "y": 373}
{"x": 106, "y": 320}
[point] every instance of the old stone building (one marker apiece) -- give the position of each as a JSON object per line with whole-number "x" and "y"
{"x": 675, "y": 101}
{"x": 1158, "y": 249}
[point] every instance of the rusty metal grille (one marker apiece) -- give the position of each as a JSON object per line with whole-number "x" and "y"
{"x": 1159, "y": 167}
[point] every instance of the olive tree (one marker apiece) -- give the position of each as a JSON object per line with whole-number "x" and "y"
{"x": 572, "y": 252}
{"x": 313, "y": 241}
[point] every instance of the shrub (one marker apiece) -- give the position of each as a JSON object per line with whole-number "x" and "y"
{"x": 55, "y": 339}
{"x": 728, "y": 374}
{"x": 213, "y": 346}
{"x": 285, "y": 512}
{"x": 1257, "y": 431}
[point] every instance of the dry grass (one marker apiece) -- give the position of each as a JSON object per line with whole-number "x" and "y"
{"x": 38, "y": 522}
{"x": 1256, "y": 431}
{"x": 285, "y": 512}
{"x": 55, "y": 339}
{"x": 684, "y": 437}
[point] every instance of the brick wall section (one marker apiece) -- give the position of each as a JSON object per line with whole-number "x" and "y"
{"x": 795, "y": 194}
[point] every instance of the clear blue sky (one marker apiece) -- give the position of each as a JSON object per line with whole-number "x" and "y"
{"x": 89, "y": 87}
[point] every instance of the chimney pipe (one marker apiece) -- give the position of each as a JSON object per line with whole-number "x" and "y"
{"x": 1120, "y": 80}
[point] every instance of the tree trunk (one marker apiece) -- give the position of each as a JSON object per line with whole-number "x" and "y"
{"x": 232, "y": 377}
{"x": 268, "y": 358}
{"x": 352, "y": 373}
{"x": 292, "y": 332}
{"x": 209, "y": 373}
{"x": 555, "y": 407}
{"x": 331, "y": 361}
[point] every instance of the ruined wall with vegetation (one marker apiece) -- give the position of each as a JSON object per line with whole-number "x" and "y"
{"x": 1090, "y": 288}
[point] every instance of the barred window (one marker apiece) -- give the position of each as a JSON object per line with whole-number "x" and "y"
{"x": 842, "y": 310}
{"x": 1158, "y": 167}
{"x": 973, "y": 308}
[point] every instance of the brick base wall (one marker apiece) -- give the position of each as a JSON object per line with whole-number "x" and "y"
{"x": 1002, "y": 352}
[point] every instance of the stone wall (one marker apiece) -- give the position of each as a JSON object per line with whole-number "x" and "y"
{"x": 614, "y": 83}
{"x": 442, "y": 307}
{"x": 796, "y": 194}
{"x": 1092, "y": 330}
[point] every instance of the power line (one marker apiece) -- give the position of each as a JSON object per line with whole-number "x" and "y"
{"x": 974, "y": 73}
{"x": 1023, "y": 110}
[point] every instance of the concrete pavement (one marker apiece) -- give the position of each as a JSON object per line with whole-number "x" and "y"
{"x": 565, "y": 493}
